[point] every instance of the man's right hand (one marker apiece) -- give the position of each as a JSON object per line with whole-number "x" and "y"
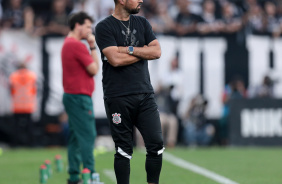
{"x": 91, "y": 40}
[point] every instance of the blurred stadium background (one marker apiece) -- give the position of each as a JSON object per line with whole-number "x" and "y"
{"x": 218, "y": 82}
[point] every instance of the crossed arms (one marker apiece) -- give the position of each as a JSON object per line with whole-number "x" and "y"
{"x": 118, "y": 56}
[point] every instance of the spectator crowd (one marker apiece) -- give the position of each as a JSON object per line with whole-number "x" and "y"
{"x": 170, "y": 17}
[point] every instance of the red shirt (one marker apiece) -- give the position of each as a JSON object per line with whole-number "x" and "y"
{"x": 75, "y": 59}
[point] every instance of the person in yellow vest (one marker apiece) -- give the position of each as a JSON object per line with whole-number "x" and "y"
{"x": 23, "y": 93}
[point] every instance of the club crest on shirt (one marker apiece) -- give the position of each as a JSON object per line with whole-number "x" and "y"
{"x": 116, "y": 118}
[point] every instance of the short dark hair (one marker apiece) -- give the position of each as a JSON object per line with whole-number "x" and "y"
{"x": 79, "y": 17}
{"x": 115, "y": 1}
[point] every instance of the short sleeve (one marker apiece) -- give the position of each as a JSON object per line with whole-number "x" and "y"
{"x": 82, "y": 55}
{"x": 149, "y": 34}
{"x": 104, "y": 37}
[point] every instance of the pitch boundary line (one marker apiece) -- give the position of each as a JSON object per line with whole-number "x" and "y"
{"x": 197, "y": 169}
{"x": 110, "y": 174}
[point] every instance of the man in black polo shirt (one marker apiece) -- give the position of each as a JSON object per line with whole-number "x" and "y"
{"x": 126, "y": 42}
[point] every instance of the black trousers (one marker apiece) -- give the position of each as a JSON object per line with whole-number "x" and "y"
{"x": 123, "y": 114}
{"x": 23, "y": 130}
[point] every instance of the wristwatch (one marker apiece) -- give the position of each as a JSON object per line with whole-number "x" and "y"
{"x": 130, "y": 50}
{"x": 93, "y": 48}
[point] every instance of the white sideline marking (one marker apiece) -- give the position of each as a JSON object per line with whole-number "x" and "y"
{"x": 197, "y": 169}
{"x": 110, "y": 174}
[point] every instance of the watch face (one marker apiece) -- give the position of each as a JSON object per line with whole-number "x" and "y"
{"x": 130, "y": 49}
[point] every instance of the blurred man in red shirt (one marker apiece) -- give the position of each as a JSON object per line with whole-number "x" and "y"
{"x": 79, "y": 67}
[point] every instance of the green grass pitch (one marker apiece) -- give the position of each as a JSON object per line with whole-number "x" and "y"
{"x": 242, "y": 165}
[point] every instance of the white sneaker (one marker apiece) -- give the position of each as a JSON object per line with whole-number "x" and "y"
{"x": 95, "y": 177}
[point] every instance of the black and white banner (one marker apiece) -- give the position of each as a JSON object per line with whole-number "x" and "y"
{"x": 255, "y": 122}
{"x": 206, "y": 63}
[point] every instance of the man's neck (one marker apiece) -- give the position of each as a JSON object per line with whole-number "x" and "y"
{"x": 73, "y": 35}
{"x": 121, "y": 14}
